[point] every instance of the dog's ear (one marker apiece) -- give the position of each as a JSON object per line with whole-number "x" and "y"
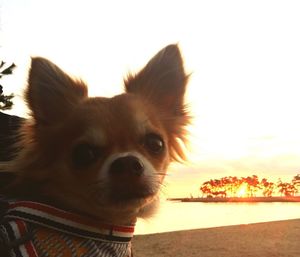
{"x": 51, "y": 93}
{"x": 162, "y": 83}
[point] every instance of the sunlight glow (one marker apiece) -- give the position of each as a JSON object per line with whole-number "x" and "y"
{"x": 243, "y": 57}
{"x": 242, "y": 191}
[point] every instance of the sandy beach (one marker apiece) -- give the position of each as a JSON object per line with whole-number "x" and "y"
{"x": 270, "y": 239}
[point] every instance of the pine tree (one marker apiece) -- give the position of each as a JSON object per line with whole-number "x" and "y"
{"x": 5, "y": 100}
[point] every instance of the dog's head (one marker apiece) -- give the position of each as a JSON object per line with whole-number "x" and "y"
{"x": 106, "y": 157}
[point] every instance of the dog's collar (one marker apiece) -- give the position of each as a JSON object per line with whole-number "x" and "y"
{"x": 67, "y": 222}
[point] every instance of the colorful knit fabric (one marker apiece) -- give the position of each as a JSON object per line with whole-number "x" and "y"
{"x": 35, "y": 229}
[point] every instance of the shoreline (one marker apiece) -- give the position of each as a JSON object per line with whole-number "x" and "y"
{"x": 267, "y": 239}
{"x": 258, "y": 199}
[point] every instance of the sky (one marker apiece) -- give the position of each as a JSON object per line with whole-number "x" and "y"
{"x": 244, "y": 57}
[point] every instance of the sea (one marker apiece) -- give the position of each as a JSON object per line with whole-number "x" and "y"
{"x": 175, "y": 216}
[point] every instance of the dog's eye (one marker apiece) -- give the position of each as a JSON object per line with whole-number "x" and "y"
{"x": 154, "y": 143}
{"x": 84, "y": 154}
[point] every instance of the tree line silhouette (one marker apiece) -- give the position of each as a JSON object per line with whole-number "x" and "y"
{"x": 250, "y": 186}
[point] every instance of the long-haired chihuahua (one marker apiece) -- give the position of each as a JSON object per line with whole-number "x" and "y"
{"x": 100, "y": 158}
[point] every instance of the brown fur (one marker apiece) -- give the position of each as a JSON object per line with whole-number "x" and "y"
{"x": 63, "y": 116}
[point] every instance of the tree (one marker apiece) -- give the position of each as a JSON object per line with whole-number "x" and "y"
{"x": 252, "y": 184}
{"x": 232, "y": 185}
{"x": 286, "y": 189}
{"x": 5, "y": 100}
{"x": 267, "y": 187}
{"x": 206, "y": 188}
{"x": 296, "y": 182}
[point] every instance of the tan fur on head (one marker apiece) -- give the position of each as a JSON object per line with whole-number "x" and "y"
{"x": 66, "y": 123}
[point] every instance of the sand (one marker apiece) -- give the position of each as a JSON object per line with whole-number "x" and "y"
{"x": 270, "y": 239}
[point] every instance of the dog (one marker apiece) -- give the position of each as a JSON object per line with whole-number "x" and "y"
{"x": 88, "y": 167}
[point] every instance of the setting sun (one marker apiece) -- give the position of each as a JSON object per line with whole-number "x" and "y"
{"x": 242, "y": 191}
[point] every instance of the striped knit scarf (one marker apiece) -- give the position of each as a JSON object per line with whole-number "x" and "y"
{"x": 34, "y": 229}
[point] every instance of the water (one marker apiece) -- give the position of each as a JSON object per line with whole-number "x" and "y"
{"x": 174, "y": 216}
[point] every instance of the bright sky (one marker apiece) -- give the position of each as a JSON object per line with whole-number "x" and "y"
{"x": 244, "y": 55}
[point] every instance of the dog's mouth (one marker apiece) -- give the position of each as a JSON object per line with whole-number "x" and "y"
{"x": 122, "y": 191}
{"x": 128, "y": 196}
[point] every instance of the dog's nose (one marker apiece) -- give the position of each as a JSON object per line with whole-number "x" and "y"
{"x": 128, "y": 164}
